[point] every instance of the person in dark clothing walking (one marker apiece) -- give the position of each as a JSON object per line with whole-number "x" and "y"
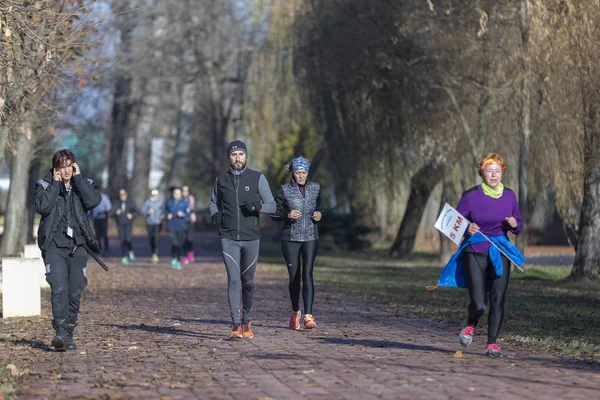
{"x": 239, "y": 196}
{"x": 62, "y": 198}
{"x": 299, "y": 206}
{"x": 154, "y": 211}
{"x": 125, "y": 212}
{"x": 188, "y": 242}
{"x": 100, "y": 216}
{"x": 177, "y": 211}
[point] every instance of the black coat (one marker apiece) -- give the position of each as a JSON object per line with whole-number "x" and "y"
{"x": 49, "y": 202}
{"x": 130, "y": 207}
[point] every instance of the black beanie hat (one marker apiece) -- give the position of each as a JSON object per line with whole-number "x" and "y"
{"x": 236, "y": 145}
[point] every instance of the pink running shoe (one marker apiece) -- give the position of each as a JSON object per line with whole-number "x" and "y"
{"x": 493, "y": 350}
{"x": 295, "y": 320}
{"x": 190, "y": 256}
{"x": 466, "y": 335}
{"x": 186, "y": 261}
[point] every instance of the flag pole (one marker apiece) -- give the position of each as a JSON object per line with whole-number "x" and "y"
{"x": 503, "y": 253}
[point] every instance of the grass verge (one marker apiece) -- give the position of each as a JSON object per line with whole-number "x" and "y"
{"x": 7, "y": 385}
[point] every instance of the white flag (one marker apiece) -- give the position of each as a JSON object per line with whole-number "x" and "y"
{"x": 452, "y": 224}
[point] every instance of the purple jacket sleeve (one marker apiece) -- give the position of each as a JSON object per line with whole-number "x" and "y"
{"x": 463, "y": 207}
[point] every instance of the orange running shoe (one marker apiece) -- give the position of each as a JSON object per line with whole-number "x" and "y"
{"x": 309, "y": 322}
{"x": 236, "y": 332}
{"x": 247, "y": 330}
{"x": 295, "y": 320}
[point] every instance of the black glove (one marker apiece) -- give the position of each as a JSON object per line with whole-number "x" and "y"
{"x": 253, "y": 206}
{"x": 217, "y": 218}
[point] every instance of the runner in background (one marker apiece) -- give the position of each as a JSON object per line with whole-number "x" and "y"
{"x": 154, "y": 211}
{"x": 188, "y": 242}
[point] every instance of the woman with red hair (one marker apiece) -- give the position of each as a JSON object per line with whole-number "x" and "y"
{"x": 479, "y": 265}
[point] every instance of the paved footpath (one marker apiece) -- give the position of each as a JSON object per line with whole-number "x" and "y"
{"x": 150, "y": 332}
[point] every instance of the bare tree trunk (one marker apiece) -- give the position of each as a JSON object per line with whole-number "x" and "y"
{"x": 185, "y": 125}
{"x": 450, "y": 195}
{"x": 120, "y": 117}
{"x": 15, "y": 219}
{"x": 122, "y": 107}
{"x": 421, "y": 185}
{"x": 525, "y": 125}
{"x": 149, "y": 103}
{"x": 143, "y": 142}
{"x": 34, "y": 173}
{"x": 587, "y": 257}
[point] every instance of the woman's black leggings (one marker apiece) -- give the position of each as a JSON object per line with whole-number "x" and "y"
{"x": 481, "y": 281}
{"x": 177, "y": 239}
{"x": 292, "y": 251}
{"x": 154, "y": 236}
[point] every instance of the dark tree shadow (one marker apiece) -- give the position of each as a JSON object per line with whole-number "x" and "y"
{"x": 33, "y": 343}
{"x": 163, "y": 330}
{"x": 385, "y": 344}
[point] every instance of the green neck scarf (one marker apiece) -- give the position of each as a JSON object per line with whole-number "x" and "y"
{"x": 494, "y": 194}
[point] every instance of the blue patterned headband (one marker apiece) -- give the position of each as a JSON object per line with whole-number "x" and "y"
{"x": 300, "y": 163}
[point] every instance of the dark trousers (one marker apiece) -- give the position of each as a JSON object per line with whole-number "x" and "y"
{"x": 66, "y": 275}
{"x": 483, "y": 282}
{"x": 153, "y": 236}
{"x": 177, "y": 240}
{"x": 292, "y": 253}
{"x": 101, "y": 228}
{"x": 188, "y": 242}
{"x": 125, "y": 232}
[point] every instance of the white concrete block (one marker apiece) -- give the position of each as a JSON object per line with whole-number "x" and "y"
{"x": 20, "y": 287}
{"x": 33, "y": 251}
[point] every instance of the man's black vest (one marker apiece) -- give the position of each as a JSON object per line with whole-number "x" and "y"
{"x": 232, "y": 192}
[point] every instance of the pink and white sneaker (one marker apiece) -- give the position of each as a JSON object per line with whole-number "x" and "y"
{"x": 493, "y": 350}
{"x": 466, "y": 335}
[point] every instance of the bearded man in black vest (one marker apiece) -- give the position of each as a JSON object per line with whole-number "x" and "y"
{"x": 239, "y": 196}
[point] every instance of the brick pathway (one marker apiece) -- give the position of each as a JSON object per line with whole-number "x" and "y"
{"x": 153, "y": 333}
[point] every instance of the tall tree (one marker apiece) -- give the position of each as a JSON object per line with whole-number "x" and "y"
{"x": 38, "y": 44}
{"x": 148, "y": 83}
{"x": 122, "y": 105}
{"x": 525, "y": 121}
{"x": 585, "y": 42}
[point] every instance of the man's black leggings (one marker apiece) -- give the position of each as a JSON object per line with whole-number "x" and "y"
{"x": 154, "y": 236}
{"x": 483, "y": 281}
{"x": 125, "y": 232}
{"x": 292, "y": 252}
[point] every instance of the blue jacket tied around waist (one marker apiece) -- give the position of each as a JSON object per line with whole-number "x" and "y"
{"x": 453, "y": 274}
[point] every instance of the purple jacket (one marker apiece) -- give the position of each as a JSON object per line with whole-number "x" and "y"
{"x": 490, "y": 213}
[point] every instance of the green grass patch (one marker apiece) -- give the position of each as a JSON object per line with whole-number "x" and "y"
{"x": 543, "y": 308}
{"x": 7, "y": 386}
{"x": 7, "y": 389}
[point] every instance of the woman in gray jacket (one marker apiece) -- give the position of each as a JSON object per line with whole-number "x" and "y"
{"x": 299, "y": 206}
{"x": 154, "y": 211}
